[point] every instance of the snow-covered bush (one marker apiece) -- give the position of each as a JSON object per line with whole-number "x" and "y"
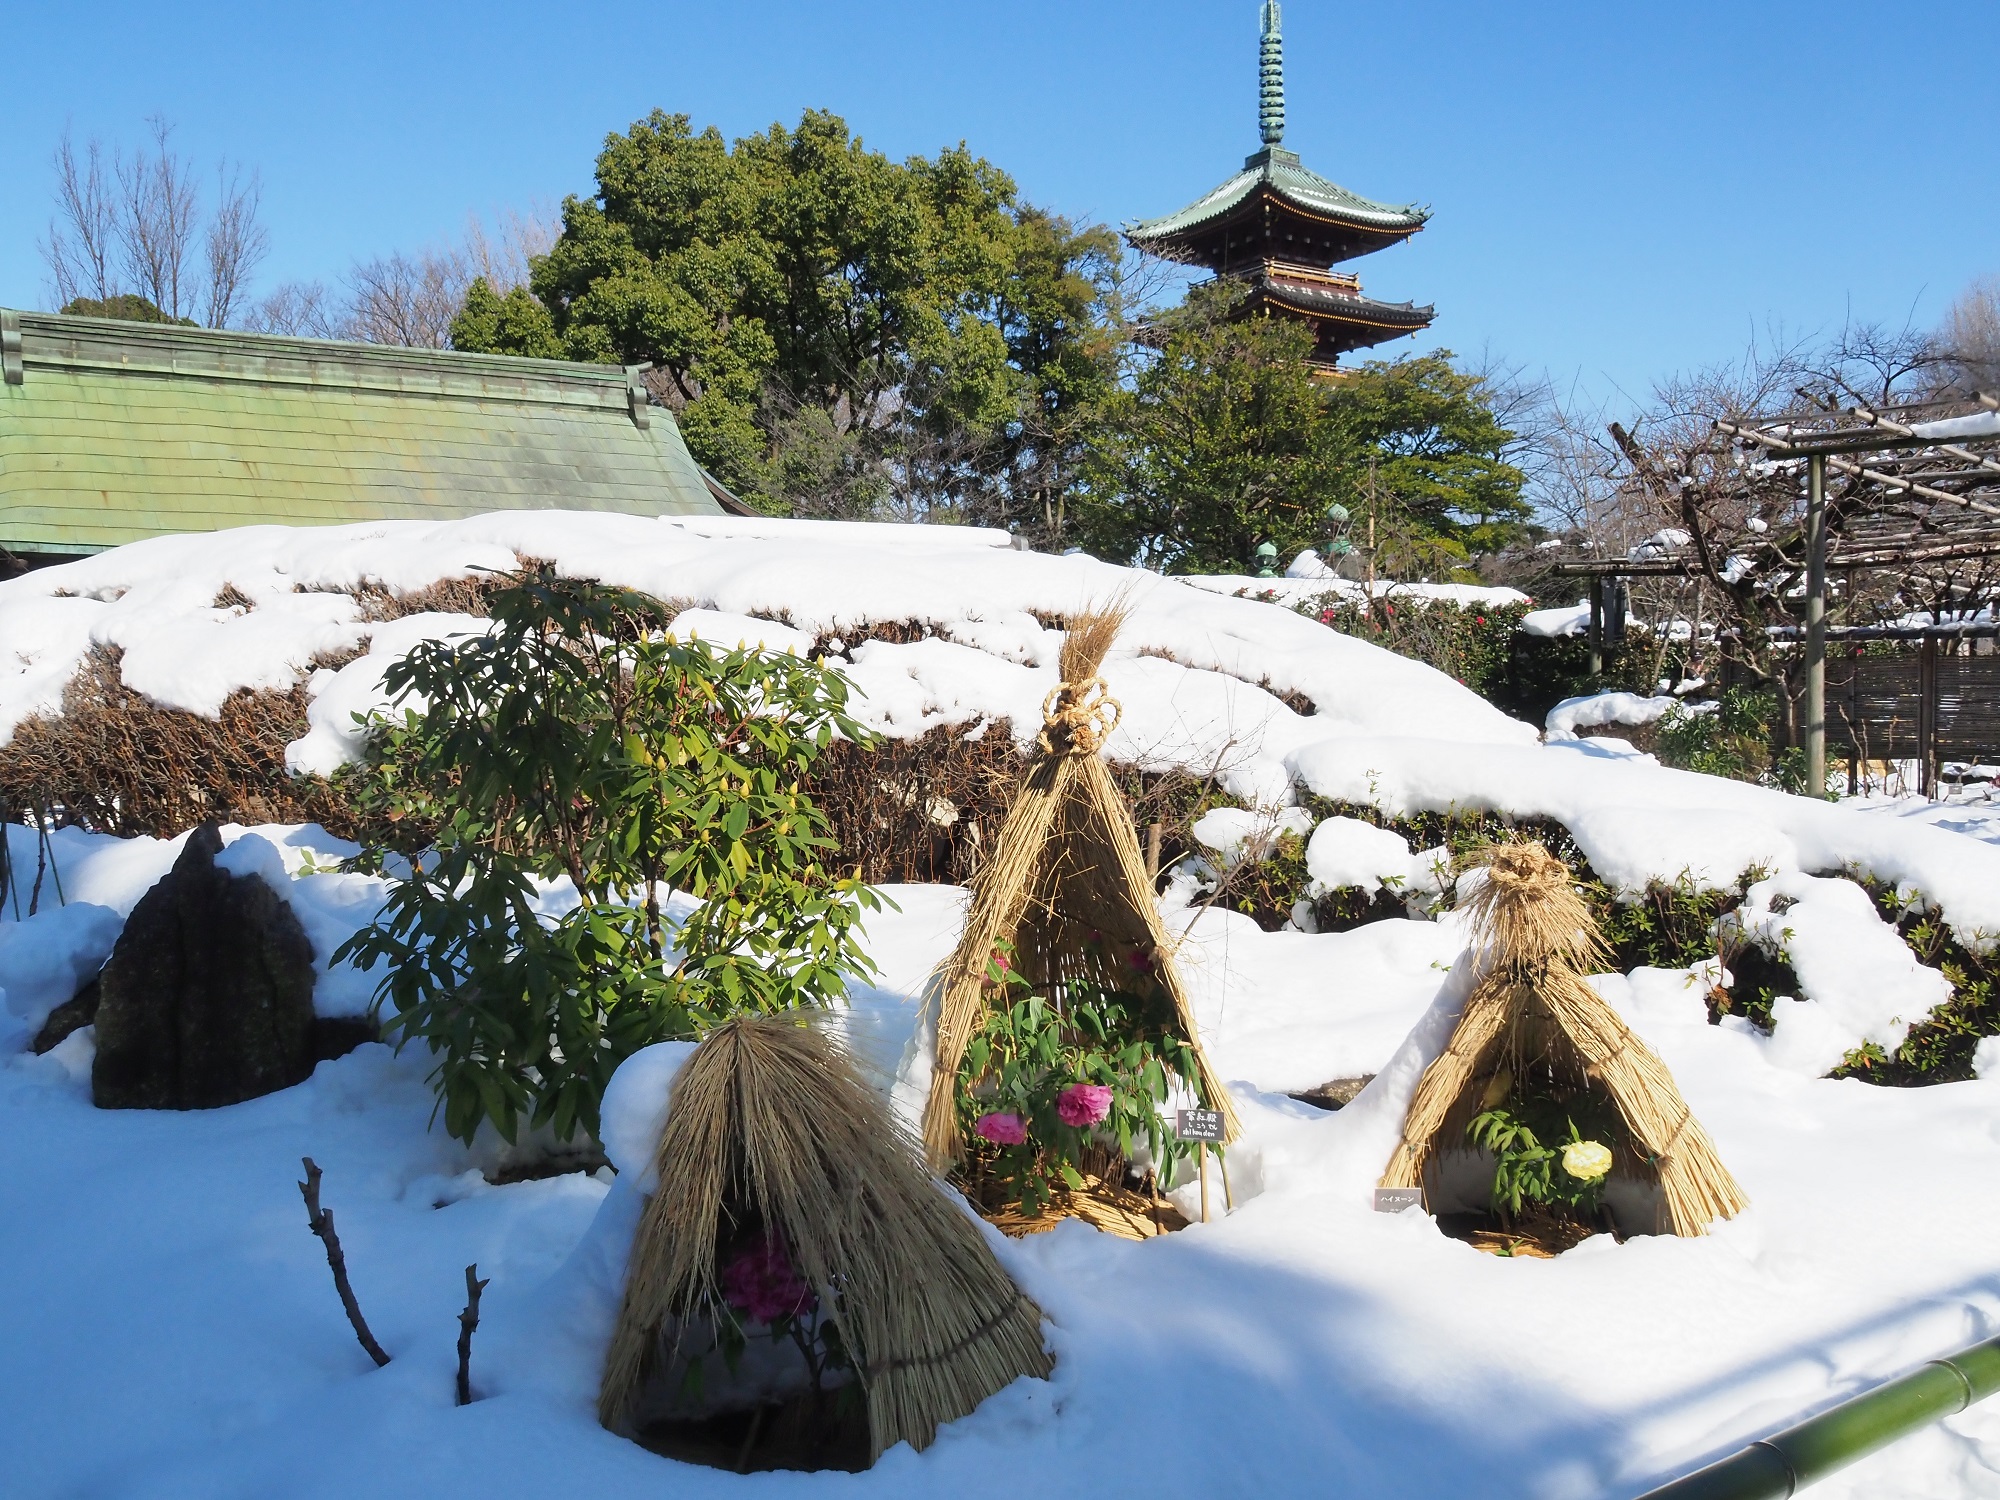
{"x": 1940, "y": 1049}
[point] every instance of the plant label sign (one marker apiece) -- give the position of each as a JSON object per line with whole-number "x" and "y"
{"x": 1198, "y": 1125}
{"x": 1395, "y": 1200}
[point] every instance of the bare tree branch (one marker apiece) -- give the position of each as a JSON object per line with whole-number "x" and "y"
{"x": 158, "y": 203}
{"x": 302, "y": 309}
{"x": 236, "y": 244}
{"x": 408, "y": 300}
{"x": 83, "y": 235}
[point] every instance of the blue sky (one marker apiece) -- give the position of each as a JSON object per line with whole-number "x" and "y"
{"x": 1620, "y": 191}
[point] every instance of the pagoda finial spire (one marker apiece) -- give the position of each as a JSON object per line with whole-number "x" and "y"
{"x": 1271, "y": 79}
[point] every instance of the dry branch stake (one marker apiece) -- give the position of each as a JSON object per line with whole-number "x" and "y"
{"x": 468, "y": 1324}
{"x": 320, "y": 1222}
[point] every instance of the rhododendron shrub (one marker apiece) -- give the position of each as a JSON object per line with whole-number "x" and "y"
{"x": 1063, "y": 1074}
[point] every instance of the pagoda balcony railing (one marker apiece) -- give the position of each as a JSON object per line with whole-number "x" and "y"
{"x": 1333, "y": 281}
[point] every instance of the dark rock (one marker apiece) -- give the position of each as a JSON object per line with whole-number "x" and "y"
{"x": 1337, "y": 1094}
{"x": 336, "y": 1036}
{"x": 72, "y": 1015}
{"x": 207, "y": 998}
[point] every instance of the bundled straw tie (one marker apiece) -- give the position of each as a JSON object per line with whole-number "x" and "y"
{"x": 1077, "y": 717}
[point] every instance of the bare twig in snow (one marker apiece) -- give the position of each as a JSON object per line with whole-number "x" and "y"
{"x": 320, "y": 1222}
{"x": 468, "y": 1324}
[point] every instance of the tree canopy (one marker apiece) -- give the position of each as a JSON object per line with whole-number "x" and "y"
{"x": 838, "y": 333}
{"x": 1225, "y": 438}
{"x": 841, "y": 334}
{"x": 127, "y": 306}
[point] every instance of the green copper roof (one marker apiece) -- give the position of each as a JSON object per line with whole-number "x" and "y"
{"x": 1280, "y": 172}
{"x": 114, "y": 431}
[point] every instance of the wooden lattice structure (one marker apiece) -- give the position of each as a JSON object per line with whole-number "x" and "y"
{"x": 1910, "y": 493}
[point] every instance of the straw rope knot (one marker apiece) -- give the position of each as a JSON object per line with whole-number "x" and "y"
{"x": 1077, "y": 717}
{"x": 1525, "y": 869}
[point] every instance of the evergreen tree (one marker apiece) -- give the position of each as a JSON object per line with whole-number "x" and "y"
{"x": 838, "y": 333}
{"x": 1226, "y": 438}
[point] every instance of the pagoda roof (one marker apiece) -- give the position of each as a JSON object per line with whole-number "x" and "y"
{"x": 1341, "y": 318}
{"x": 1277, "y": 174}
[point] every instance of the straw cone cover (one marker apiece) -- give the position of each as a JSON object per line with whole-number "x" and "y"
{"x": 770, "y": 1124}
{"x": 1065, "y": 869}
{"x": 1535, "y": 940}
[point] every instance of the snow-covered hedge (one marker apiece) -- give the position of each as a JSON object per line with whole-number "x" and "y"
{"x": 953, "y": 629}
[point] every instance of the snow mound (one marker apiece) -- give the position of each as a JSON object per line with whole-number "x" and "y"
{"x": 1595, "y": 710}
{"x": 635, "y": 1106}
{"x": 1349, "y": 852}
{"x": 1236, "y": 833}
{"x": 1203, "y": 676}
{"x": 1865, "y": 984}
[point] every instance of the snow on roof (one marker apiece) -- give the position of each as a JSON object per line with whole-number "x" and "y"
{"x": 1979, "y": 424}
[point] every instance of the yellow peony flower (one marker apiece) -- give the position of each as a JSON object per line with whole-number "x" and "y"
{"x": 1586, "y": 1161}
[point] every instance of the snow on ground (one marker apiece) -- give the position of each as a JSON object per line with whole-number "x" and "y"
{"x": 174, "y": 1331}
{"x": 1974, "y": 812}
{"x": 181, "y": 1335}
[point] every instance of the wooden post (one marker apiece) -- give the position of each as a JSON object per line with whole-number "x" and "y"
{"x": 1927, "y": 715}
{"x": 1596, "y": 626}
{"x": 1153, "y": 853}
{"x": 1856, "y": 736}
{"x": 1816, "y": 624}
{"x": 1201, "y": 1155}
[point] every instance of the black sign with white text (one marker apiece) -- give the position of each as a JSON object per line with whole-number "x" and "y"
{"x": 1198, "y": 1124}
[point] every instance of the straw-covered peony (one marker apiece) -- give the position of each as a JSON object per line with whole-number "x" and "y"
{"x": 1586, "y": 1161}
{"x": 1083, "y": 1104}
{"x": 1002, "y": 1130}
{"x": 761, "y": 1282}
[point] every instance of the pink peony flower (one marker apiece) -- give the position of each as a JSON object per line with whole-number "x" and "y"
{"x": 1083, "y": 1104}
{"x": 1140, "y": 959}
{"x": 761, "y": 1283}
{"x": 1002, "y": 1130}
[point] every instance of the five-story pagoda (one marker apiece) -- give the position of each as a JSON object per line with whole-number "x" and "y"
{"x": 1277, "y": 228}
